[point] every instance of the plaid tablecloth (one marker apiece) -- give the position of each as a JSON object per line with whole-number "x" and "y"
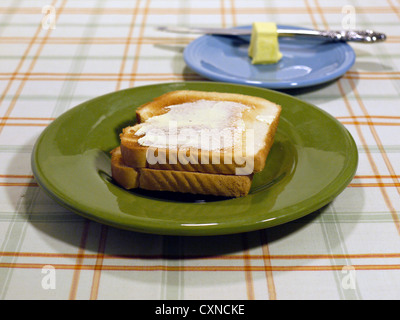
{"x": 55, "y": 54}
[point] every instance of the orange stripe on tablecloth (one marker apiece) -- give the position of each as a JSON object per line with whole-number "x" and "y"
{"x": 369, "y": 117}
{"x": 18, "y": 184}
{"x": 99, "y": 74}
{"x": 222, "y": 8}
{"x": 138, "y": 46}
{"x": 24, "y": 124}
{"x": 377, "y": 184}
{"x": 17, "y": 176}
{"x": 267, "y": 263}
{"x": 127, "y": 45}
{"x": 233, "y": 13}
{"x": 321, "y": 14}
{"x": 310, "y": 13}
{"x": 247, "y": 274}
{"x": 27, "y": 118}
{"x": 392, "y": 39}
{"x": 371, "y": 78}
{"x": 79, "y": 261}
{"x": 394, "y": 8}
{"x": 99, "y": 263}
{"x": 371, "y": 123}
{"x": 103, "y": 267}
{"x": 384, "y": 176}
{"x": 373, "y": 72}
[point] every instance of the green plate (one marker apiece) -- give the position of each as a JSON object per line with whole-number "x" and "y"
{"x": 312, "y": 160}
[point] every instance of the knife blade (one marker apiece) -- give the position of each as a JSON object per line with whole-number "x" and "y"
{"x": 363, "y": 36}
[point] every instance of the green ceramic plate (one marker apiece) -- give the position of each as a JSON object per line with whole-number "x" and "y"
{"x": 312, "y": 160}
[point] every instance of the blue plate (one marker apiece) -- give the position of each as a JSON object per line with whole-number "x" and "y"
{"x": 304, "y": 63}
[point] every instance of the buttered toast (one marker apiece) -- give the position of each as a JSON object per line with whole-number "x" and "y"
{"x": 234, "y": 130}
{"x": 196, "y": 142}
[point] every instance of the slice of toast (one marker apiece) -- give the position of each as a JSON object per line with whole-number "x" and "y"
{"x": 127, "y": 177}
{"x": 222, "y": 133}
{"x": 178, "y": 181}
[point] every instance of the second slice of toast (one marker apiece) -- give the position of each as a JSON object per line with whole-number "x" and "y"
{"x": 178, "y": 181}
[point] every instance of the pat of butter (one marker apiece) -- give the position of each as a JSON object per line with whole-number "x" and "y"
{"x": 264, "y": 46}
{"x": 268, "y": 119}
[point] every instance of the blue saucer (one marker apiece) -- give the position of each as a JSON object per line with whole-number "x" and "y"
{"x": 304, "y": 63}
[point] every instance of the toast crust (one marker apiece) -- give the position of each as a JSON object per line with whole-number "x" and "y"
{"x": 125, "y": 176}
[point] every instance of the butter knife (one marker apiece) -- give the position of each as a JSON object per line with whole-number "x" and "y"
{"x": 364, "y": 36}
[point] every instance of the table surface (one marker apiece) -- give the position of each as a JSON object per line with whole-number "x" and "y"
{"x": 348, "y": 250}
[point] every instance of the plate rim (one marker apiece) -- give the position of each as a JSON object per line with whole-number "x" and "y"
{"x": 195, "y": 230}
{"x": 265, "y": 84}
